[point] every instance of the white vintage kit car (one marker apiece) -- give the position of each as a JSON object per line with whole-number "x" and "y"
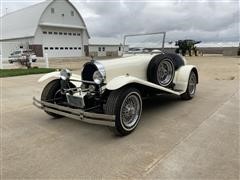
{"x": 110, "y": 92}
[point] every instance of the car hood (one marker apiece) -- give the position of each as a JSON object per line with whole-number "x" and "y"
{"x": 134, "y": 65}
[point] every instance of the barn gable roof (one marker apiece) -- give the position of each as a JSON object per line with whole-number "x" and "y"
{"x": 23, "y": 23}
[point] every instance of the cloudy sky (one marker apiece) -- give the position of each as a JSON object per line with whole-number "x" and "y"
{"x": 212, "y": 21}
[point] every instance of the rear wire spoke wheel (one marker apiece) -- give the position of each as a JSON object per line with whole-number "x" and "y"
{"x": 192, "y": 84}
{"x": 191, "y": 88}
{"x": 126, "y": 105}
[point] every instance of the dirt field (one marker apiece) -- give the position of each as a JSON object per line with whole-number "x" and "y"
{"x": 197, "y": 139}
{"x": 217, "y": 68}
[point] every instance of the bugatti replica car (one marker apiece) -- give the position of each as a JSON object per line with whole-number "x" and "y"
{"x": 110, "y": 92}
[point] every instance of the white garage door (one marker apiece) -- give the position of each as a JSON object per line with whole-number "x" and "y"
{"x": 64, "y": 43}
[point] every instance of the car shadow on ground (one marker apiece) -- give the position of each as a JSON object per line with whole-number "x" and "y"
{"x": 155, "y": 102}
{"x": 151, "y": 105}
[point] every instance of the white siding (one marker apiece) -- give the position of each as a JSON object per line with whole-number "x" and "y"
{"x": 39, "y": 18}
{"x": 61, "y": 8}
{"x": 109, "y": 49}
{"x": 66, "y": 43}
{"x": 85, "y": 38}
{"x": 12, "y": 45}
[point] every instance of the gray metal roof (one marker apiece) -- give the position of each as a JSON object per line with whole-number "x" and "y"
{"x": 24, "y": 22}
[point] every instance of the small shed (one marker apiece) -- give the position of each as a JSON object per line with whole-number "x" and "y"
{"x": 103, "y": 47}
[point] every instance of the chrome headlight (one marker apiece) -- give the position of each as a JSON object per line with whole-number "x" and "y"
{"x": 98, "y": 77}
{"x": 65, "y": 74}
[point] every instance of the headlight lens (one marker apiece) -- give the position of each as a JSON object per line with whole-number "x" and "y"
{"x": 65, "y": 74}
{"x": 98, "y": 77}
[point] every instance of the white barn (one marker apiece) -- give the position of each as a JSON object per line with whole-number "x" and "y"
{"x": 54, "y": 27}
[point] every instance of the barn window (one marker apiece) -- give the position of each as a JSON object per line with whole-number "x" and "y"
{"x": 75, "y": 48}
{"x": 51, "y": 48}
{"x": 65, "y": 33}
{"x": 74, "y": 34}
{"x": 60, "y": 33}
{"x": 55, "y": 33}
{"x": 44, "y": 32}
{"x": 61, "y": 48}
{"x": 99, "y": 48}
{"x": 49, "y": 32}
{"x": 72, "y": 13}
{"x": 21, "y": 47}
{"x": 78, "y": 34}
{"x": 45, "y": 48}
{"x": 79, "y": 48}
{"x": 66, "y": 48}
{"x": 103, "y": 48}
{"x": 69, "y": 34}
{"x": 56, "y": 48}
{"x": 119, "y": 48}
{"x": 71, "y": 48}
{"x": 52, "y": 10}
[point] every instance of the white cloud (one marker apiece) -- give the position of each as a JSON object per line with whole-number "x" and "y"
{"x": 206, "y": 20}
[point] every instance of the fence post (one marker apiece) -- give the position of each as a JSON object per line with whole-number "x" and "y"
{"x": 46, "y": 60}
{"x": 1, "y": 62}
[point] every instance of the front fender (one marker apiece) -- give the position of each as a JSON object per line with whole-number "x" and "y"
{"x": 56, "y": 75}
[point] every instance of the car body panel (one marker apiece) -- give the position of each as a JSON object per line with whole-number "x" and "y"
{"x": 180, "y": 80}
{"x": 119, "y": 75}
{"x": 121, "y": 81}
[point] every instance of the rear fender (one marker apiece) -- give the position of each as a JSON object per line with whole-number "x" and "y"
{"x": 182, "y": 76}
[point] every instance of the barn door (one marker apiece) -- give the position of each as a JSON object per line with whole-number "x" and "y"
{"x": 37, "y": 48}
{"x": 86, "y": 50}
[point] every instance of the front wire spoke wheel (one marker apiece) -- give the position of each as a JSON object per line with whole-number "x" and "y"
{"x": 126, "y": 105}
{"x": 130, "y": 111}
{"x": 59, "y": 97}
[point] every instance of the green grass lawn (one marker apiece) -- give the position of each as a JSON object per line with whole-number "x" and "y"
{"x": 21, "y": 72}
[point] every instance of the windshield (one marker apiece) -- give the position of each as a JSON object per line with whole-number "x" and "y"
{"x": 144, "y": 43}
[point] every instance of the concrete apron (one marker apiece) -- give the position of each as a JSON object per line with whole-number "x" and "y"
{"x": 175, "y": 139}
